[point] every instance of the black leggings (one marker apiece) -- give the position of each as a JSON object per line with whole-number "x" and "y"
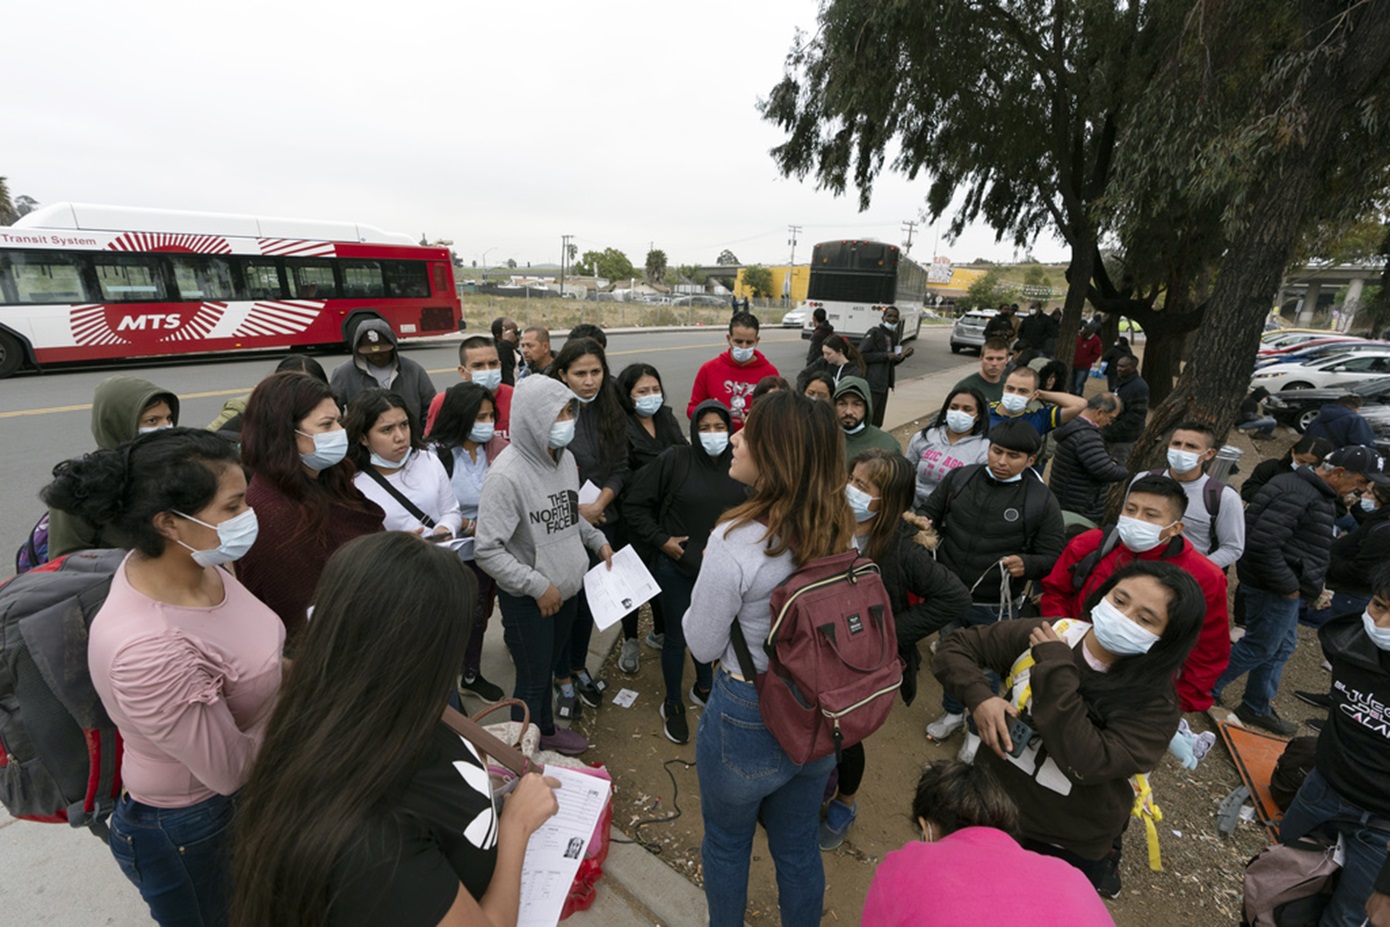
{"x": 658, "y": 620}
{"x": 851, "y": 769}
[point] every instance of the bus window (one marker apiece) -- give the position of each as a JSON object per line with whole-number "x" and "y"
{"x": 406, "y": 279}
{"x": 40, "y": 277}
{"x": 312, "y": 279}
{"x": 200, "y": 277}
{"x": 129, "y": 278}
{"x": 363, "y": 280}
{"x": 262, "y": 279}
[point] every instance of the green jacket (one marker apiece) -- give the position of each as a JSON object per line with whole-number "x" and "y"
{"x": 870, "y": 435}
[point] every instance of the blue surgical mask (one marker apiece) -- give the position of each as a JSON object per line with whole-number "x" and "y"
{"x": 487, "y": 379}
{"x": 958, "y": 421}
{"x": 891, "y": 326}
{"x": 741, "y": 355}
{"x": 1013, "y": 403}
{"x": 1117, "y": 634}
{"x": 1368, "y": 504}
{"x": 714, "y": 442}
{"x": 235, "y": 537}
{"x": 859, "y": 502}
{"x": 482, "y": 432}
{"x": 1378, "y": 635}
{"x": 386, "y": 463}
{"x": 582, "y": 400}
{"x": 649, "y": 405}
{"x": 1183, "y": 461}
{"x": 857, "y": 428}
{"x": 330, "y": 447}
{"x": 1012, "y": 479}
{"x": 561, "y": 434}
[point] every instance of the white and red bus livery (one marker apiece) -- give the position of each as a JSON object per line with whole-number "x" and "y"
{"x": 82, "y": 283}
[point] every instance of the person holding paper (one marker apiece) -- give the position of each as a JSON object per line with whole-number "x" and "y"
{"x": 791, "y": 453}
{"x": 672, "y": 506}
{"x": 531, "y": 540}
{"x": 398, "y": 828}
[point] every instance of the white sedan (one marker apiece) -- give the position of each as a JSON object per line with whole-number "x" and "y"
{"x": 796, "y": 318}
{"x": 1325, "y": 372}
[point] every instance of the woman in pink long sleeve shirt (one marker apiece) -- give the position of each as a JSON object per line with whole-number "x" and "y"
{"x": 185, "y": 659}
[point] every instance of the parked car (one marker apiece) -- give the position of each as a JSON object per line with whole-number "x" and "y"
{"x": 1287, "y": 336}
{"x": 1323, "y": 373}
{"x": 1298, "y": 407}
{"x": 796, "y": 318}
{"x": 969, "y": 330}
{"x": 1314, "y": 351}
{"x": 700, "y": 300}
{"x": 1280, "y": 350}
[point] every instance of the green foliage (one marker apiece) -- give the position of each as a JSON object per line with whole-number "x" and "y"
{"x": 690, "y": 273}
{"x": 7, "y": 210}
{"x": 610, "y": 263}
{"x": 1035, "y": 276}
{"x": 727, "y": 257}
{"x": 758, "y": 279}
{"x": 986, "y": 292}
{"x": 656, "y": 265}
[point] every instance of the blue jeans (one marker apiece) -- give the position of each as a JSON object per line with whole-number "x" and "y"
{"x": 179, "y": 858}
{"x": 1078, "y": 380}
{"x": 1264, "y": 425}
{"x": 978, "y": 615}
{"x": 573, "y": 655}
{"x": 1318, "y": 807}
{"x": 675, "y": 600}
{"x": 744, "y": 774}
{"x": 1271, "y": 632}
{"x": 533, "y": 642}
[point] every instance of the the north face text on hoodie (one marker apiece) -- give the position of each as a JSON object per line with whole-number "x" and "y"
{"x": 563, "y": 512}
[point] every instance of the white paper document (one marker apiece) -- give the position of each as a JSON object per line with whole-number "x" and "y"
{"x": 554, "y": 851}
{"x": 613, "y": 593}
{"x": 588, "y": 493}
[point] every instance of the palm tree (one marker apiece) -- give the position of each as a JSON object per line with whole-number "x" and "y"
{"x": 7, "y": 211}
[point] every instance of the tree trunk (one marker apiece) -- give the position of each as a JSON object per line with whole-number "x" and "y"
{"x": 1218, "y": 374}
{"x": 1083, "y": 257}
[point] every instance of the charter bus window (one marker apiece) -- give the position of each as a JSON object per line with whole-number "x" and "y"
{"x": 40, "y": 277}
{"x": 262, "y": 279}
{"x": 406, "y": 279}
{"x": 363, "y": 280}
{"x": 312, "y": 279}
{"x": 130, "y": 278}
{"x": 202, "y": 277}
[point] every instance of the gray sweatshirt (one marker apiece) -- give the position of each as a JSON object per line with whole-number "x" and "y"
{"x": 735, "y": 582}
{"x": 529, "y": 531}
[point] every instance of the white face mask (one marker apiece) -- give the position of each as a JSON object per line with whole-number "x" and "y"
{"x": 741, "y": 355}
{"x": 859, "y": 502}
{"x": 1368, "y": 504}
{"x": 1009, "y": 479}
{"x": 561, "y": 434}
{"x": 1117, "y": 634}
{"x": 1013, "y": 403}
{"x": 487, "y": 379}
{"x": 386, "y": 463}
{"x": 1378, "y": 635}
{"x": 857, "y": 428}
{"x": 714, "y": 442}
{"x": 1183, "y": 461}
{"x": 891, "y": 326}
{"x": 235, "y": 537}
{"x": 482, "y": 432}
{"x": 958, "y": 421}
{"x": 330, "y": 447}
{"x": 1139, "y": 536}
{"x": 152, "y": 428}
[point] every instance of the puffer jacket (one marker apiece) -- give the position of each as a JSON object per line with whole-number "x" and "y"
{"x": 1356, "y": 555}
{"x": 1082, "y": 469}
{"x": 1288, "y": 535}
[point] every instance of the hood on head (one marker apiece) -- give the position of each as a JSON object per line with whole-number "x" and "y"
{"x": 536, "y": 402}
{"x": 860, "y": 387}
{"x": 117, "y": 404}
{"x": 700, "y": 410}
{"x": 383, "y": 340}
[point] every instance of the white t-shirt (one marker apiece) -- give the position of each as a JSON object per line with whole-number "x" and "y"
{"x": 423, "y": 481}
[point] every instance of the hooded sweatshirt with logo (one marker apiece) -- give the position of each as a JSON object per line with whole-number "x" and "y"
{"x": 409, "y": 380}
{"x": 730, "y": 383}
{"x": 116, "y": 407}
{"x": 529, "y": 531}
{"x": 870, "y": 435}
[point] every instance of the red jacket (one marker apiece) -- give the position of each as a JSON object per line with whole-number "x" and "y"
{"x": 502, "y": 399}
{"x": 1213, "y": 651}
{"x": 1088, "y": 351}
{"x": 730, "y": 383}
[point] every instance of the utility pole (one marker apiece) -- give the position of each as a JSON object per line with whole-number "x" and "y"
{"x": 909, "y": 226}
{"x": 795, "y": 230}
{"x": 564, "y": 256}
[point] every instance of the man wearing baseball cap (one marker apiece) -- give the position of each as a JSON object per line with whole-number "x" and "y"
{"x": 1288, "y": 537}
{"x": 377, "y": 364}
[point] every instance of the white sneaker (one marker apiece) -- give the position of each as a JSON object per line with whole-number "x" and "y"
{"x": 968, "y": 749}
{"x": 944, "y": 726}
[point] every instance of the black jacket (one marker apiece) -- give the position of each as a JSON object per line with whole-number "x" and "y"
{"x": 507, "y": 354}
{"x": 1356, "y": 555}
{"x": 1033, "y": 329}
{"x": 1082, "y": 469}
{"x": 876, "y": 347}
{"x": 818, "y": 336}
{"x": 605, "y": 467}
{"x": 1288, "y": 534}
{"x": 1353, "y": 750}
{"x": 981, "y": 520}
{"x": 1134, "y": 393}
{"x": 682, "y": 494}
{"x": 1264, "y": 471}
{"x": 642, "y": 448}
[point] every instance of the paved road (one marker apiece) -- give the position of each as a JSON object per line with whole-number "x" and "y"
{"x": 46, "y": 418}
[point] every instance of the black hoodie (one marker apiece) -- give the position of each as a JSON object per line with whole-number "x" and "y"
{"x": 683, "y": 493}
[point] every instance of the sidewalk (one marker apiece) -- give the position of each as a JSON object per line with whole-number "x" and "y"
{"x": 52, "y": 874}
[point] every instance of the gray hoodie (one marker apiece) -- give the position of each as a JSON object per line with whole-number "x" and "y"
{"x": 529, "y": 531}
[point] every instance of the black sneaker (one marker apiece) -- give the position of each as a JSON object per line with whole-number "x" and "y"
{"x": 674, "y": 726}
{"x": 1316, "y": 723}
{"x": 1109, "y": 884}
{"x": 1316, "y": 699}
{"x": 480, "y": 687}
{"x": 1270, "y": 722}
{"x": 589, "y": 689}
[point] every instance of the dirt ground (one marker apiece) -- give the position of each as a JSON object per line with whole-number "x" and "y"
{"x": 1199, "y": 885}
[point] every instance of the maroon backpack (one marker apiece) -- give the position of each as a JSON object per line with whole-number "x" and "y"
{"x": 832, "y": 654}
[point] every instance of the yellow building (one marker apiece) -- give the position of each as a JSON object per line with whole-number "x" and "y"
{"x": 801, "y": 278}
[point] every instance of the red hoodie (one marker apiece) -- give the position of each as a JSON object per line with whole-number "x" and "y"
{"x": 1208, "y": 659}
{"x": 730, "y": 383}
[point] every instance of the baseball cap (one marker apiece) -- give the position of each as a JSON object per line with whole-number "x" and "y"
{"x": 372, "y": 342}
{"x": 1360, "y": 459}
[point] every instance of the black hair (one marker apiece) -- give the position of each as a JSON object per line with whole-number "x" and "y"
{"x": 743, "y": 320}
{"x": 628, "y": 378}
{"x": 981, "y": 426}
{"x": 767, "y": 385}
{"x": 952, "y": 795}
{"x": 1380, "y": 581}
{"x": 120, "y": 490}
{"x": 362, "y": 413}
{"x": 1197, "y": 425}
{"x": 1016, "y": 436}
{"x": 1259, "y": 394}
{"x": 804, "y": 378}
{"x": 473, "y": 342}
{"x": 588, "y": 330}
{"x": 1164, "y": 486}
{"x": 1133, "y": 681}
{"x": 302, "y": 363}
{"x": 612, "y": 420}
{"x": 818, "y": 314}
{"x": 458, "y": 412}
{"x": 842, "y": 344}
{"x": 1318, "y": 447}
{"x": 1056, "y": 372}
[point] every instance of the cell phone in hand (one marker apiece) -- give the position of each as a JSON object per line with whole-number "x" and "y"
{"x": 1019, "y": 734}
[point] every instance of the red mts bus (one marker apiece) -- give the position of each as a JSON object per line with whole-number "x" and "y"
{"x": 83, "y": 283}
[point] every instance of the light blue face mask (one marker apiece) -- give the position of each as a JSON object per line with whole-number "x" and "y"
{"x": 330, "y": 447}
{"x": 741, "y": 355}
{"x": 649, "y": 405}
{"x": 235, "y": 537}
{"x": 1368, "y": 503}
{"x": 859, "y": 502}
{"x": 482, "y": 432}
{"x": 959, "y": 421}
{"x": 487, "y": 379}
{"x": 386, "y": 463}
{"x": 1013, "y": 403}
{"x": 581, "y": 399}
{"x": 856, "y": 429}
{"x": 1378, "y": 635}
{"x": 1117, "y": 633}
{"x": 714, "y": 442}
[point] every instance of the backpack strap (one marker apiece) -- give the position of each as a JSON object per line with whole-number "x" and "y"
{"x": 969, "y": 472}
{"x": 745, "y": 657}
{"x": 445, "y": 453}
{"x": 1081, "y": 569}
{"x": 400, "y": 497}
{"x": 1211, "y": 498}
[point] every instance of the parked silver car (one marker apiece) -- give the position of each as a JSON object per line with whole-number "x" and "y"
{"x": 969, "y": 330}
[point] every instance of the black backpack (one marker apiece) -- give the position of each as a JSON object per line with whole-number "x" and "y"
{"x": 60, "y": 753}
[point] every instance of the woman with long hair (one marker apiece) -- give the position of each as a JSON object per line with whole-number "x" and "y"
{"x": 959, "y": 435}
{"x": 465, "y": 440}
{"x": 600, "y": 449}
{"x": 816, "y": 384}
{"x": 185, "y": 659}
{"x": 1306, "y": 452}
{"x": 400, "y": 827}
{"x": 302, "y": 490}
{"x": 791, "y": 453}
{"x": 1099, "y": 699}
{"x": 924, "y": 594}
{"x": 392, "y": 465}
{"x": 839, "y": 359}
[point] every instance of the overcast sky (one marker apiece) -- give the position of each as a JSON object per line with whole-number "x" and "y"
{"x": 500, "y": 126}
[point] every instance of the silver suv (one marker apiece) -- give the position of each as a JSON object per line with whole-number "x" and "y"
{"x": 969, "y": 330}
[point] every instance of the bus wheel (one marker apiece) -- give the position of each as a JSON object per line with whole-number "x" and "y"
{"x": 11, "y": 354}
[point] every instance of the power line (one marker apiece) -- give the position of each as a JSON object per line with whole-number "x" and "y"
{"x": 909, "y": 226}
